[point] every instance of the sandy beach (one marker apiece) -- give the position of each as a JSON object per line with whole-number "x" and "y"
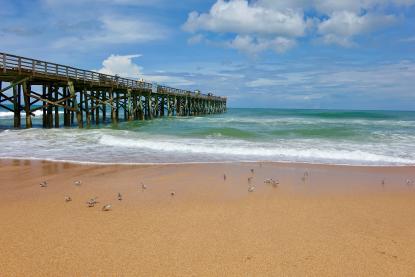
{"x": 337, "y": 221}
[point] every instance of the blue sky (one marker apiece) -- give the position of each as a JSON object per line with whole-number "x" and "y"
{"x": 339, "y": 54}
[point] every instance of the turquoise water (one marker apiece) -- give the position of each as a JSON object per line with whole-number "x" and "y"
{"x": 312, "y": 136}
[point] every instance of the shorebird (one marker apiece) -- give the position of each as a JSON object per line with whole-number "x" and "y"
{"x": 119, "y": 196}
{"x": 143, "y": 187}
{"x": 250, "y": 180}
{"x": 383, "y": 183}
{"x": 305, "y": 176}
{"x": 77, "y": 183}
{"x": 224, "y": 177}
{"x": 409, "y": 182}
{"x": 251, "y": 189}
{"x": 272, "y": 182}
{"x": 107, "y": 208}
{"x": 172, "y": 193}
{"x": 275, "y": 183}
{"x": 44, "y": 184}
{"x": 91, "y": 202}
{"x": 252, "y": 170}
{"x": 68, "y": 199}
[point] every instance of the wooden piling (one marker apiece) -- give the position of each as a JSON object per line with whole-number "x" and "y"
{"x": 97, "y": 93}
{"x": 140, "y": 108}
{"x": 43, "y": 106}
{"x": 104, "y": 106}
{"x": 81, "y": 106}
{"x": 87, "y": 110}
{"x": 56, "y": 107}
{"x": 49, "y": 123}
{"x": 27, "y": 91}
{"x": 16, "y": 107}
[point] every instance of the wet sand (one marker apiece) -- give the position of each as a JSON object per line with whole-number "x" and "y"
{"x": 338, "y": 221}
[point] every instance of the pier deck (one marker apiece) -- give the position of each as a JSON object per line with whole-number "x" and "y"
{"x": 86, "y": 96}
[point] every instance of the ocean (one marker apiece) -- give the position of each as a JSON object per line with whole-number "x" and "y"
{"x": 281, "y": 135}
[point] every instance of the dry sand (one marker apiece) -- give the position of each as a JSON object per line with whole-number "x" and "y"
{"x": 339, "y": 221}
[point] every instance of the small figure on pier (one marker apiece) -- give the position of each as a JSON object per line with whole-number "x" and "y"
{"x": 44, "y": 184}
{"x": 107, "y": 208}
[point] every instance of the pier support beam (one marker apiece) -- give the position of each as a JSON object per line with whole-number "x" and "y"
{"x": 140, "y": 108}
{"x": 75, "y": 104}
{"x": 104, "y": 106}
{"x": 27, "y": 91}
{"x": 56, "y": 107}
{"x": 16, "y": 107}
{"x": 49, "y": 115}
{"x": 96, "y": 105}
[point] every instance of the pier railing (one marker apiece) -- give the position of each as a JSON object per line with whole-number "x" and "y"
{"x": 22, "y": 65}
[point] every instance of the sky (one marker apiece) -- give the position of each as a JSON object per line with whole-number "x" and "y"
{"x": 334, "y": 54}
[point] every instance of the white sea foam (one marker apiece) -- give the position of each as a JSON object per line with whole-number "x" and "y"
{"x": 303, "y": 121}
{"x": 207, "y": 139}
{"x": 259, "y": 151}
{"x": 22, "y": 114}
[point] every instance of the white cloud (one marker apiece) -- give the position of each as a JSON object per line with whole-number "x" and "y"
{"x": 124, "y": 66}
{"x": 253, "y": 46}
{"x": 269, "y": 24}
{"x": 121, "y": 65}
{"x": 341, "y": 27}
{"x": 238, "y": 16}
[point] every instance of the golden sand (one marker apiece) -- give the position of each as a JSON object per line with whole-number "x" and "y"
{"x": 338, "y": 221}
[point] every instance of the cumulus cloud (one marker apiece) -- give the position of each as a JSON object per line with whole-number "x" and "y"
{"x": 253, "y": 46}
{"x": 262, "y": 25}
{"x": 238, "y": 16}
{"x": 121, "y": 65}
{"x": 124, "y": 66}
{"x": 257, "y": 28}
{"x": 341, "y": 27}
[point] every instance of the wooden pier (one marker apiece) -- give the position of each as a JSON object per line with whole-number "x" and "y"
{"x": 84, "y": 97}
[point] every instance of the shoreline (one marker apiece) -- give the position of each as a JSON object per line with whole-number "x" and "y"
{"x": 339, "y": 220}
{"x": 212, "y": 162}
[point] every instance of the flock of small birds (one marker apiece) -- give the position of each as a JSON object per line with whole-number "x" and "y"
{"x": 272, "y": 182}
{"x": 306, "y": 175}
{"x": 251, "y": 188}
{"x": 93, "y": 201}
